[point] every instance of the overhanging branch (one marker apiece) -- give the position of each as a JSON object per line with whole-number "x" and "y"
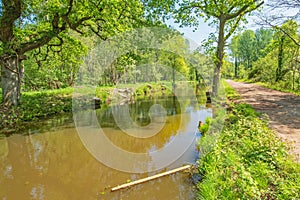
{"x": 283, "y": 31}
{"x": 243, "y": 10}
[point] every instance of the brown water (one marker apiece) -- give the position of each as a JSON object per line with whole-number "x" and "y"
{"x": 54, "y": 163}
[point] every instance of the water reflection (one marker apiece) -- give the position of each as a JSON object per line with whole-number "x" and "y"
{"x": 56, "y": 165}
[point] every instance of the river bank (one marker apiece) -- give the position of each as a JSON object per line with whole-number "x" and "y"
{"x": 39, "y": 105}
{"x": 246, "y": 160}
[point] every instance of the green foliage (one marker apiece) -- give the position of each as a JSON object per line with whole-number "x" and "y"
{"x": 276, "y": 60}
{"x": 42, "y": 31}
{"x": 128, "y": 58}
{"x": 247, "y": 161}
{"x": 205, "y": 127}
{"x": 226, "y": 15}
{"x": 248, "y": 47}
{"x": 41, "y": 104}
{"x": 53, "y": 70}
{"x": 103, "y": 92}
{"x": 263, "y": 69}
{"x": 153, "y": 89}
{"x": 227, "y": 70}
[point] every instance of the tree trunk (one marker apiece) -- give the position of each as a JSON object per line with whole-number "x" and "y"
{"x": 236, "y": 67}
{"x": 280, "y": 60}
{"x": 219, "y": 55}
{"x": 11, "y": 80}
{"x": 173, "y": 77}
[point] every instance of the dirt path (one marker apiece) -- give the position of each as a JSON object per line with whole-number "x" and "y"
{"x": 282, "y": 108}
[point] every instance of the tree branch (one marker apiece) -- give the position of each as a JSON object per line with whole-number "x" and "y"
{"x": 70, "y": 7}
{"x": 95, "y": 31}
{"x": 283, "y": 31}
{"x": 60, "y": 44}
{"x": 194, "y": 5}
{"x": 233, "y": 27}
{"x": 243, "y": 10}
{"x": 45, "y": 38}
{"x": 11, "y": 12}
{"x": 216, "y": 4}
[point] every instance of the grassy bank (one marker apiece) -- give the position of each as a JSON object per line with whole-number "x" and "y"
{"x": 246, "y": 160}
{"x": 36, "y": 105}
{"x": 42, "y": 104}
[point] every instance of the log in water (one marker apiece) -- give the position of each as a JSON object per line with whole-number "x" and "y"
{"x": 150, "y": 178}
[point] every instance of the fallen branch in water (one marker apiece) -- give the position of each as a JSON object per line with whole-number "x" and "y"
{"x": 150, "y": 178}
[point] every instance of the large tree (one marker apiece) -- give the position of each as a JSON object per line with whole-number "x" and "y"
{"x": 226, "y": 14}
{"x": 26, "y": 25}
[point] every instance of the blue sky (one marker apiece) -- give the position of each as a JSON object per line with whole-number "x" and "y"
{"x": 196, "y": 37}
{"x": 203, "y": 30}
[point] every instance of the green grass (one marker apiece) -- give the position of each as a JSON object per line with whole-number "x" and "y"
{"x": 36, "y": 105}
{"x": 246, "y": 161}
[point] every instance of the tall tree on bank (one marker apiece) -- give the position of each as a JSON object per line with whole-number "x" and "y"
{"x": 26, "y": 25}
{"x": 226, "y": 14}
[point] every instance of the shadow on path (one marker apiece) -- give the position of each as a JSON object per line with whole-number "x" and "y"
{"x": 282, "y": 108}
